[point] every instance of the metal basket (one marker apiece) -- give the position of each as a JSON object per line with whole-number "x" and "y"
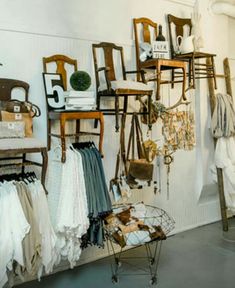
{"x": 146, "y": 223}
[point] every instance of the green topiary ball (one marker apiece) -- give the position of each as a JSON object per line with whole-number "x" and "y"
{"x": 80, "y": 81}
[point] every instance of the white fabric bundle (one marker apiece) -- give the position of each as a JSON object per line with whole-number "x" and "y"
{"x": 223, "y": 118}
{"x": 225, "y": 159}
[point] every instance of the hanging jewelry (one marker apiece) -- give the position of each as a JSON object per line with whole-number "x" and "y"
{"x": 168, "y": 159}
{"x": 159, "y": 182}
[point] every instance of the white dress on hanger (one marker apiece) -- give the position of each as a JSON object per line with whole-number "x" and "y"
{"x": 14, "y": 226}
{"x": 49, "y": 252}
{"x": 70, "y": 204}
{"x": 53, "y": 182}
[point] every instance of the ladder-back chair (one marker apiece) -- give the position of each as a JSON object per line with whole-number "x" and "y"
{"x": 145, "y": 30}
{"x": 196, "y": 70}
{"x": 61, "y": 61}
{"x": 17, "y": 148}
{"x": 111, "y": 80}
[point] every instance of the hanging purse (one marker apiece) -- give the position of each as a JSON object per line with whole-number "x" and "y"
{"x": 137, "y": 168}
{"x": 118, "y": 185}
{"x": 23, "y": 111}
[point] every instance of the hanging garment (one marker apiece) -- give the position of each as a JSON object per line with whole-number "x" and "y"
{"x": 223, "y": 118}
{"x": 54, "y": 171}
{"x": 26, "y": 235}
{"x": 225, "y": 159}
{"x": 49, "y": 251}
{"x": 78, "y": 200}
{"x": 99, "y": 203}
{"x": 6, "y": 244}
{"x": 68, "y": 204}
{"x": 32, "y": 241}
{"x": 178, "y": 130}
{"x": 13, "y": 229}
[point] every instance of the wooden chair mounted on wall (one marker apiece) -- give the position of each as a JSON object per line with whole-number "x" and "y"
{"x": 63, "y": 116}
{"x": 114, "y": 86}
{"x": 17, "y": 148}
{"x": 196, "y": 70}
{"x": 145, "y": 30}
{"x": 60, "y": 61}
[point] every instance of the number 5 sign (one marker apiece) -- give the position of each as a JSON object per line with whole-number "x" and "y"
{"x": 54, "y": 90}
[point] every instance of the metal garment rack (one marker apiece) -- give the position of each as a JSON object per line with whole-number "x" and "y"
{"x": 220, "y": 180}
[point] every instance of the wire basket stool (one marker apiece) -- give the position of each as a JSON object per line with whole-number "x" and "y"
{"x": 135, "y": 225}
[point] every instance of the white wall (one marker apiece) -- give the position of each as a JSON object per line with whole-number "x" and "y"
{"x": 30, "y": 30}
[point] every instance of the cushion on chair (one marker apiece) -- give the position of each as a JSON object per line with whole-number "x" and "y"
{"x": 127, "y": 84}
{"x": 20, "y": 143}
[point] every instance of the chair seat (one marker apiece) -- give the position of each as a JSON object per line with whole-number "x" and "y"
{"x": 13, "y": 144}
{"x": 196, "y": 55}
{"x": 127, "y": 85}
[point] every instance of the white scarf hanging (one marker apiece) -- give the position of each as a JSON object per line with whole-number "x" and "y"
{"x": 223, "y": 118}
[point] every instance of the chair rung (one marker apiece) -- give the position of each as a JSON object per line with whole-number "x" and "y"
{"x": 27, "y": 163}
{"x": 211, "y": 74}
{"x": 206, "y": 77}
{"x": 127, "y": 113}
{"x": 10, "y": 158}
{"x": 202, "y": 64}
{"x": 75, "y": 134}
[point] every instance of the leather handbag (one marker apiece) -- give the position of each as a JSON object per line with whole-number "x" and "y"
{"x": 16, "y": 106}
{"x": 137, "y": 167}
{"x": 141, "y": 169}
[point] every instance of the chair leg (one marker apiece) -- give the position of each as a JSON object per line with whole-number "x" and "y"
{"x": 49, "y": 134}
{"x": 77, "y": 130}
{"x": 125, "y": 104}
{"x": 172, "y": 78}
{"x": 23, "y": 160}
{"x": 193, "y": 73}
{"x": 184, "y": 84}
{"x": 98, "y": 108}
{"x": 158, "y": 97}
{"x": 101, "y": 120}
{"x": 116, "y": 112}
{"x": 62, "y": 136}
{"x": 213, "y": 71}
{"x": 149, "y": 112}
{"x": 44, "y": 166}
{"x": 190, "y": 73}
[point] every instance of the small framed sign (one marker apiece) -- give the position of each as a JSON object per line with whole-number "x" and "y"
{"x": 160, "y": 49}
{"x": 54, "y": 90}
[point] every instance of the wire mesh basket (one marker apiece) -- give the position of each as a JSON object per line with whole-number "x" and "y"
{"x": 136, "y": 224}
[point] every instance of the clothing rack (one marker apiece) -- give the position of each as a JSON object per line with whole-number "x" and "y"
{"x": 219, "y": 171}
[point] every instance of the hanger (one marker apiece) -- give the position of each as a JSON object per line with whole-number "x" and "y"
{"x": 29, "y": 176}
{"x": 82, "y": 145}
